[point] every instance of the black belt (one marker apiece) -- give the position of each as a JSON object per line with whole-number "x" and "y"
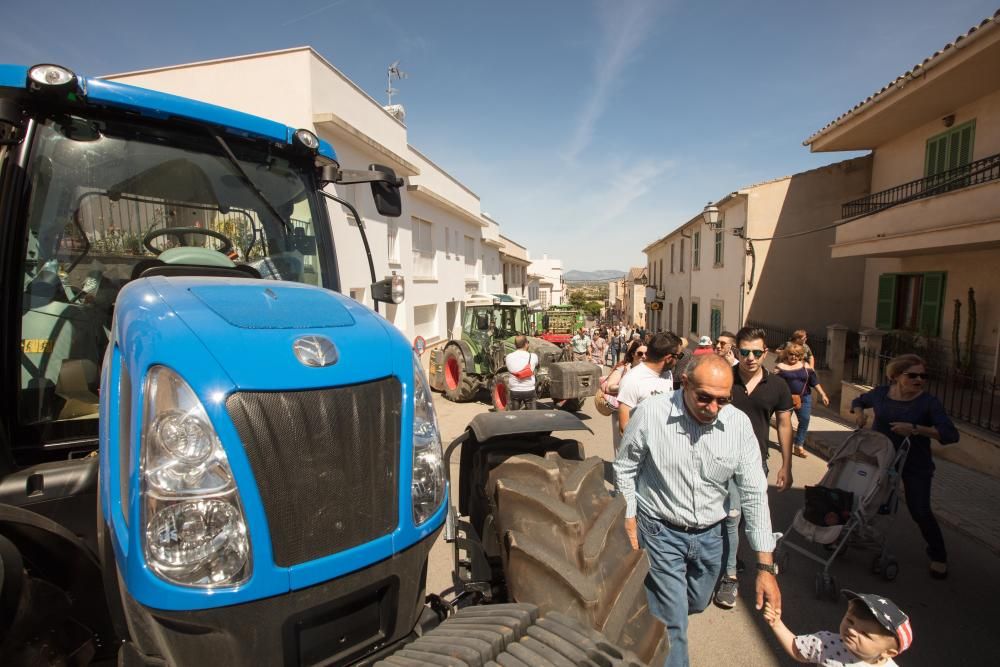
{"x": 690, "y": 530}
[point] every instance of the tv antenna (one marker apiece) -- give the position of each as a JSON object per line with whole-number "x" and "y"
{"x": 393, "y": 73}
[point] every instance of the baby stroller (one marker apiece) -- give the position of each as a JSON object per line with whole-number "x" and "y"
{"x": 854, "y": 505}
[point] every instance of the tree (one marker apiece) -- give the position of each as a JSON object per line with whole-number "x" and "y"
{"x": 577, "y": 298}
{"x": 593, "y": 308}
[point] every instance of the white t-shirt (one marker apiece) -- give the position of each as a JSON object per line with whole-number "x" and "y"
{"x": 642, "y": 382}
{"x": 827, "y": 649}
{"x": 516, "y": 361}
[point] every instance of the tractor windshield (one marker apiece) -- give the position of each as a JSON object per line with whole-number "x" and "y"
{"x": 512, "y": 321}
{"x": 105, "y": 199}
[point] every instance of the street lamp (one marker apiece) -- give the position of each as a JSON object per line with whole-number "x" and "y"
{"x": 711, "y": 215}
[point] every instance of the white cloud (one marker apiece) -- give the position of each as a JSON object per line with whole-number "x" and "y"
{"x": 625, "y": 26}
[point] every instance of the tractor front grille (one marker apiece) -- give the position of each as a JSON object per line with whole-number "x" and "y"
{"x": 326, "y": 463}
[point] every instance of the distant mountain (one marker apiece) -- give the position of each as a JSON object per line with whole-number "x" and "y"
{"x": 574, "y": 276}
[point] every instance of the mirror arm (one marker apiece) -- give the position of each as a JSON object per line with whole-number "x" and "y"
{"x": 354, "y": 176}
{"x": 361, "y": 228}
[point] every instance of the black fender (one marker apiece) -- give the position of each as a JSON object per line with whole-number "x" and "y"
{"x": 61, "y": 561}
{"x": 467, "y": 353}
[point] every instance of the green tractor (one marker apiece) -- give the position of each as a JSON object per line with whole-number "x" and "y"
{"x": 478, "y": 359}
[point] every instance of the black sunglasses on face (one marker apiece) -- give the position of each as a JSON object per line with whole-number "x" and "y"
{"x": 757, "y": 354}
{"x": 914, "y": 376}
{"x": 706, "y": 399}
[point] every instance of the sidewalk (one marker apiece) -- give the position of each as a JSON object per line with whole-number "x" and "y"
{"x": 962, "y": 498}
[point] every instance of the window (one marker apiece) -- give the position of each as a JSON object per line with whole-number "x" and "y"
{"x": 718, "y": 248}
{"x": 696, "y": 251}
{"x": 672, "y": 249}
{"x": 470, "y": 257}
{"x": 715, "y": 325}
{"x": 670, "y": 317}
{"x": 950, "y": 150}
{"x": 694, "y": 316}
{"x": 392, "y": 237}
{"x": 358, "y": 294}
{"x": 447, "y": 243}
{"x": 682, "y": 255}
{"x": 425, "y": 321}
{"x": 659, "y": 283}
{"x": 911, "y": 301}
{"x": 423, "y": 249}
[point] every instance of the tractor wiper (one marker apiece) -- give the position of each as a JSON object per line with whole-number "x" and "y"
{"x": 249, "y": 182}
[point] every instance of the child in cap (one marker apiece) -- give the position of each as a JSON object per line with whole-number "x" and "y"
{"x": 873, "y": 631}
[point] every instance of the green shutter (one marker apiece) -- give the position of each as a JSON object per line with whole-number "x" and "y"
{"x": 963, "y": 138}
{"x": 931, "y": 300}
{"x": 937, "y": 155}
{"x": 885, "y": 310}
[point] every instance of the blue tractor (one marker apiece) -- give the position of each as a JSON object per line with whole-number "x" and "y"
{"x": 209, "y": 453}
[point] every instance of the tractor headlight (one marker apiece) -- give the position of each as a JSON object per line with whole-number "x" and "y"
{"x": 429, "y": 478}
{"x": 195, "y": 531}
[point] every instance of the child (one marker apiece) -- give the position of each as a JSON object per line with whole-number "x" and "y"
{"x": 874, "y": 630}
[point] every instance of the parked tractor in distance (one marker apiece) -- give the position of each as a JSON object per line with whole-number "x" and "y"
{"x": 210, "y": 455}
{"x": 477, "y": 360}
{"x": 560, "y": 323}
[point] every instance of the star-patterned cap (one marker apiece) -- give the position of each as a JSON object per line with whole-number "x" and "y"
{"x": 889, "y": 616}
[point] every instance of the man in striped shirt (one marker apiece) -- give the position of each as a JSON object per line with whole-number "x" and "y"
{"x": 673, "y": 468}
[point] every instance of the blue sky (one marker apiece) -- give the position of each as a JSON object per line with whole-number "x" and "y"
{"x": 588, "y": 129}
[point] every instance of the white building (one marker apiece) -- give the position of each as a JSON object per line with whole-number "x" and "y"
{"x": 551, "y": 288}
{"x": 442, "y": 243}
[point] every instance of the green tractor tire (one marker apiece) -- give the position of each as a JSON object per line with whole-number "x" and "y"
{"x": 459, "y": 386}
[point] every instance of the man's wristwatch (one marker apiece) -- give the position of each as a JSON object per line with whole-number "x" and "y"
{"x": 768, "y": 567}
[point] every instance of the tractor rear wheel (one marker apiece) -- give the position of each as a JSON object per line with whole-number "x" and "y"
{"x": 500, "y": 392}
{"x": 564, "y": 548}
{"x": 459, "y": 386}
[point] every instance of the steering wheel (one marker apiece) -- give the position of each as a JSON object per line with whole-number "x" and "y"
{"x": 179, "y": 232}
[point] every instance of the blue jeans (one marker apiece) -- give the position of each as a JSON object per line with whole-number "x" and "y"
{"x": 803, "y": 414}
{"x": 732, "y": 535}
{"x": 683, "y": 569}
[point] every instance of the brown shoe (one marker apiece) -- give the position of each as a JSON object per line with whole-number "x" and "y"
{"x": 799, "y": 452}
{"x": 939, "y": 570}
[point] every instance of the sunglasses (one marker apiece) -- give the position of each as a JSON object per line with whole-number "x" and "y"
{"x": 915, "y": 376}
{"x": 757, "y": 354}
{"x": 707, "y": 399}
{"x": 640, "y": 353}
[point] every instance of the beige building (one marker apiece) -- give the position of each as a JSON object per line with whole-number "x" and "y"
{"x": 930, "y": 228}
{"x": 763, "y": 261}
{"x": 634, "y": 296}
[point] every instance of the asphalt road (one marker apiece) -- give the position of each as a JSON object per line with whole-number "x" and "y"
{"x": 953, "y": 620}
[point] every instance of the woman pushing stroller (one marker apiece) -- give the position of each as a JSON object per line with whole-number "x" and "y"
{"x": 903, "y": 410}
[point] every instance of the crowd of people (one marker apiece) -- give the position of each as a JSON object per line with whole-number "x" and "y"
{"x": 690, "y": 432}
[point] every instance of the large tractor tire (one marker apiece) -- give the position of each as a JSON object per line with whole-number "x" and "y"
{"x": 510, "y": 634}
{"x": 459, "y": 386}
{"x": 500, "y": 392}
{"x": 564, "y": 548}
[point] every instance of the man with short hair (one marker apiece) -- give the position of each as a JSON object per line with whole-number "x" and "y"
{"x": 673, "y": 469}
{"x": 759, "y": 395}
{"x": 724, "y": 345}
{"x": 581, "y": 345}
{"x": 522, "y": 364}
{"x": 651, "y": 376}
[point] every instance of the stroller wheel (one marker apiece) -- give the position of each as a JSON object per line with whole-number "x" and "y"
{"x": 890, "y": 571}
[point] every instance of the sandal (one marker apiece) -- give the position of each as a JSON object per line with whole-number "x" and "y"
{"x": 799, "y": 452}
{"x": 939, "y": 570}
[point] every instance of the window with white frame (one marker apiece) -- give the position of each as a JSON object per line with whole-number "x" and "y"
{"x": 718, "y": 248}
{"x": 696, "y": 251}
{"x": 425, "y": 322}
{"x": 423, "y": 249}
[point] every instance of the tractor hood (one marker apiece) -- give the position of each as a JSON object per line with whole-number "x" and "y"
{"x": 251, "y": 329}
{"x": 547, "y": 352}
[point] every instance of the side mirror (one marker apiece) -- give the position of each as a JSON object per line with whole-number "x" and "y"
{"x": 386, "y": 194}
{"x": 391, "y": 289}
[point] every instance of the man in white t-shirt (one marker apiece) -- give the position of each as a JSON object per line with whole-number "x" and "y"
{"x": 522, "y": 365}
{"x": 652, "y": 376}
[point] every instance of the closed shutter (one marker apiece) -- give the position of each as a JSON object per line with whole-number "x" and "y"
{"x": 931, "y": 300}
{"x": 937, "y": 155}
{"x": 885, "y": 309}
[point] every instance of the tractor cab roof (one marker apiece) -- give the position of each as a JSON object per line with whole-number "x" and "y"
{"x": 495, "y": 300}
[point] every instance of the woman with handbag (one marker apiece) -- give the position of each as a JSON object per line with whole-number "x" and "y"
{"x": 607, "y": 394}
{"x": 801, "y": 381}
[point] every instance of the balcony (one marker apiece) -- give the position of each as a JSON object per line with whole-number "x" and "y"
{"x": 954, "y": 210}
{"x": 980, "y": 171}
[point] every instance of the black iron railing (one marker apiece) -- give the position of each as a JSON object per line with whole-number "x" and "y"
{"x": 778, "y": 336}
{"x": 974, "y": 173}
{"x": 967, "y": 397}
